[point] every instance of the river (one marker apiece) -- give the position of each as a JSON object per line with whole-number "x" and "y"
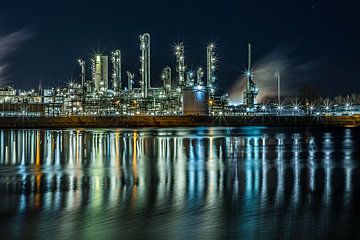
{"x": 180, "y": 183}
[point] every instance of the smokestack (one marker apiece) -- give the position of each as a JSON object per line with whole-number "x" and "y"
{"x": 277, "y": 74}
{"x": 249, "y": 57}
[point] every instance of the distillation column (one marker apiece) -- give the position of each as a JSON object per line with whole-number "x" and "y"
{"x": 199, "y": 76}
{"x": 130, "y": 80}
{"x": 82, "y": 65}
{"x": 116, "y": 68}
{"x": 251, "y": 90}
{"x": 211, "y": 61}
{"x": 166, "y": 78}
{"x": 180, "y": 64}
{"x": 100, "y": 72}
{"x": 145, "y": 63}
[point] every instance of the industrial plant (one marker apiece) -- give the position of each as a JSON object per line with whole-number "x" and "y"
{"x": 104, "y": 88}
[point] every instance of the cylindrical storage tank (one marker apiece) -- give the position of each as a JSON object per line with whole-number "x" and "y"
{"x": 195, "y": 101}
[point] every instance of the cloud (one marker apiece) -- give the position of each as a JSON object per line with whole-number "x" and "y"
{"x": 9, "y": 43}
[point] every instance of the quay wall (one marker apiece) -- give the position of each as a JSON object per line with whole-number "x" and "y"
{"x": 176, "y": 121}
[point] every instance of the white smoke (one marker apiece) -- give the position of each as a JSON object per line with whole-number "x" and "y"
{"x": 293, "y": 74}
{"x": 9, "y": 43}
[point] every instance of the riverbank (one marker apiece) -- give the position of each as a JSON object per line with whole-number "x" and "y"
{"x": 177, "y": 121}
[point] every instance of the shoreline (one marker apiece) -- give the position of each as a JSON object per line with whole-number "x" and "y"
{"x": 177, "y": 121}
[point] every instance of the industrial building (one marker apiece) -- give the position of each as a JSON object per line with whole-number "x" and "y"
{"x": 101, "y": 91}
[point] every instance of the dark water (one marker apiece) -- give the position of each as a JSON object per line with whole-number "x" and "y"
{"x": 200, "y": 183}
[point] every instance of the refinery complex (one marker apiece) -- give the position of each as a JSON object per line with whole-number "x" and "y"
{"x": 104, "y": 88}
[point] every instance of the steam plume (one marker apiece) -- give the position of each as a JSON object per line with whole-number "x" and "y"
{"x": 294, "y": 74}
{"x": 9, "y": 43}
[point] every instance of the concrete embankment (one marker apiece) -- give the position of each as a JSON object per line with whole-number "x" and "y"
{"x": 176, "y": 121}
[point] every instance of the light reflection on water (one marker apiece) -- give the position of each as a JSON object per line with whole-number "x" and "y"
{"x": 210, "y": 183}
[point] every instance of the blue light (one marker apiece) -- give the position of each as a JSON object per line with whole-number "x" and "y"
{"x": 199, "y": 96}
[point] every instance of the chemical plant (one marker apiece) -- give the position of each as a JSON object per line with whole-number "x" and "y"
{"x": 105, "y": 89}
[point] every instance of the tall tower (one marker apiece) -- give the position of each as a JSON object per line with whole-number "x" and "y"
{"x": 116, "y": 70}
{"x": 145, "y": 63}
{"x": 211, "y": 61}
{"x": 130, "y": 80}
{"x": 180, "y": 64}
{"x": 82, "y": 65}
{"x": 190, "y": 75}
{"x": 100, "y": 72}
{"x": 251, "y": 90}
{"x": 277, "y": 76}
{"x": 199, "y": 76}
{"x": 166, "y": 78}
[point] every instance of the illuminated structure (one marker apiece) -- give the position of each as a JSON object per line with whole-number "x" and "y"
{"x": 116, "y": 70}
{"x": 130, "y": 80}
{"x": 83, "y": 74}
{"x": 199, "y": 76}
{"x": 100, "y": 72}
{"x": 180, "y": 64}
{"x": 166, "y": 78}
{"x": 251, "y": 90}
{"x": 145, "y": 64}
{"x": 82, "y": 65}
{"x": 195, "y": 100}
{"x": 211, "y": 66}
{"x": 190, "y": 77}
{"x": 188, "y": 92}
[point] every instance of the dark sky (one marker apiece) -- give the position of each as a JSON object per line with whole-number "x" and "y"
{"x": 327, "y": 32}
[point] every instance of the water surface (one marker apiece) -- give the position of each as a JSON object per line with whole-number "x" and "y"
{"x": 180, "y": 183}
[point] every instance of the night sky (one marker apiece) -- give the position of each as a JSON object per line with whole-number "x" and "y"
{"x": 54, "y": 34}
